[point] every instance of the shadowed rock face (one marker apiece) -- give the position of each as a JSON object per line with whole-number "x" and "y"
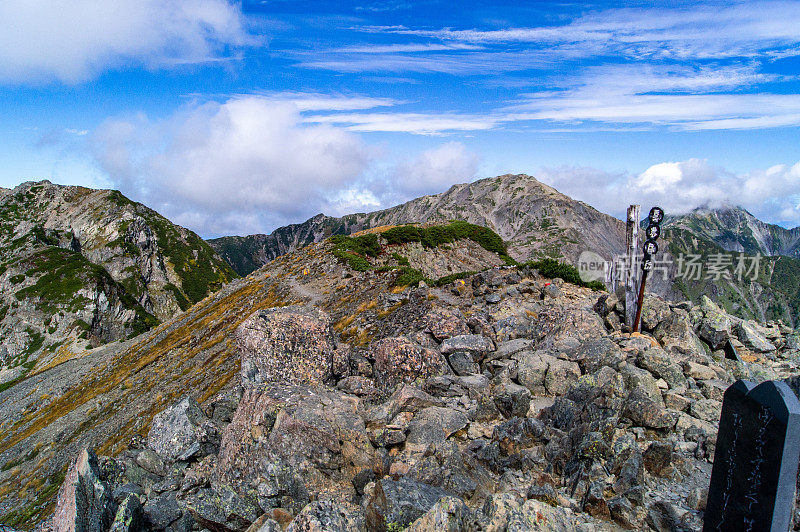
{"x": 84, "y": 501}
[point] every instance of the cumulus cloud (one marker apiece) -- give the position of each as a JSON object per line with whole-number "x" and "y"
{"x": 250, "y": 164}
{"x": 771, "y": 194}
{"x": 75, "y": 40}
{"x": 244, "y": 165}
{"x": 434, "y": 170}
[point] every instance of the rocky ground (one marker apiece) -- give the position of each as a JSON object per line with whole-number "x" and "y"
{"x": 500, "y": 402}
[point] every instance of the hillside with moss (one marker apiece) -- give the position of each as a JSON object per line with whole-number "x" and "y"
{"x": 80, "y": 268}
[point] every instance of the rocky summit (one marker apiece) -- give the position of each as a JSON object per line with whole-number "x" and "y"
{"x": 376, "y": 383}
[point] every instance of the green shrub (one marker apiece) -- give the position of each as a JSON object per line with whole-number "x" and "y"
{"x": 16, "y": 279}
{"x": 409, "y": 277}
{"x": 352, "y": 250}
{"x": 431, "y": 237}
{"x": 552, "y": 268}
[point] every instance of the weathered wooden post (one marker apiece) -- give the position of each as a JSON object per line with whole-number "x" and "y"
{"x": 632, "y": 245}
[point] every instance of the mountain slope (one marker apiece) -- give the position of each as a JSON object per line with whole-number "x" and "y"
{"x": 535, "y": 219}
{"x": 735, "y": 229}
{"x": 103, "y": 398}
{"x": 79, "y": 265}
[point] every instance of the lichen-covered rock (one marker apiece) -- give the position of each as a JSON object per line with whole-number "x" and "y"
{"x": 654, "y": 311}
{"x": 400, "y": 360}
{"x": 715, "y": 328}
{"x": 473, "y": 343}
{"x": 405, "y": 500}
{"x": 294, "y": 345}
{"x": 315, "y": 432}
{"x": 129, "y": 516}
{"x": 532, "y": 368}
{"x": 646, "y": 413}
{"x": 750, "y": 336}
{"x": 660, "y": 364}
{"x": 560, "y": 376}
{"x": 84, "y": 502}
{"x": 676, "y": 335}
{"x": 449, "y": 514}
{"x": 221, "y": 509}
{"x": 434, "y": 425}
{"x": 328, "y": 516}
{"x": 445, "y": 324}
{"x": 183, "y": 431}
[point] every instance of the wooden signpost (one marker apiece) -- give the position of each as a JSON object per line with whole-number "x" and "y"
{"x": 632, "y": 244}
{"x": 650, "y": 248}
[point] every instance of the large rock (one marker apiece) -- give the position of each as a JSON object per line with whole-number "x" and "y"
{"x": 327, "y": 515}
{"x": 450, "y": 514}
{"x": 293, "y": 345}
{"x": 400, "y": 360}
{"x": 676, "y": 335}
{"x": 532, "y": 369}
{"x": 715, "y": 328}
{"x": 434, "y": 425}
{"x": 279, "y": 430}
{"x": 84, "y": 502}
{"x": 445, "y": 324}
{"x": 473, "y": 343}
{"x": 654, "y": 311}
{"x": 660, "y": 364}
{"x": 129, "y": 516}
{"x": 221, "y": 509}
{"x": 750, "y": 336}
{"x": 401, "y": 502}
{"x": 560, "y": 376}
{"x": 182, "y": 431}
{"x": 646, "y": 413}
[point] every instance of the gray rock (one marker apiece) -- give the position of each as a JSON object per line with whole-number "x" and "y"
{"x": 646, "y": 413}
{"x": 162, "y": 511}
{"x": 183, "y": 431}
{"x": 462, "y": 363}
{"x": 706, "y": 410}
{"x": 221, "y": 509}
{"x": 150, "y": 461}
{"x": 551, "y": 291}
{"x": 660, "y": 364}
{"x": 494, "y": 298}
{"x": 532, "y": 369}
{"x": 517, "y": 433}
{"x": 84, "y": 502}
{"x": 449, "y": 514}
{"x": 715, "y": 328}
{"x": 750, "y": 336}
{"x": 560, "y": 376}
{"x": 511, "y": 399}
{"x": 328, "y": 516}
{"x": 508, "y": 348}
{"x": 473, "y": 343}
{"x": 129, "y": 517}
{"x": 407, "y": 500}
{"x": 642, "y": 380}
{"x": 434, "y": 425}
{"x": 654, "y": 311}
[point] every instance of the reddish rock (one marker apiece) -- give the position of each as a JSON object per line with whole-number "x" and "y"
{"x": 289, "y": 345}
{"x": 445, "y": 324}
{"x": 399, "y": 360}
{"x": 84, "y": 502}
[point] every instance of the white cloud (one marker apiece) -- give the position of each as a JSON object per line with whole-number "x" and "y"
{"x": 241, "y": 166}
{"x": 435, "y": 170}
{"x": 679, "y": 186}
{"x": 417, "y": 123}
{"x": 251, "y": 164}
{"x": 735, "y": 29}
{"x": 682, "y": 97}
{"x": 306, "y": 101}
{"x": 75, "y": 40}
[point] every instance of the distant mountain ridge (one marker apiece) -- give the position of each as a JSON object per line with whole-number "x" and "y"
{"x": 536, "y": 220}
{"x": 735, "y": 229}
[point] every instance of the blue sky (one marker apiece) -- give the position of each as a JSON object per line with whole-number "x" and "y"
{"x": 235, "y": 118}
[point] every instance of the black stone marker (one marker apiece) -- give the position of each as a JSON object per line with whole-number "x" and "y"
{"x": 755, "y": 463}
